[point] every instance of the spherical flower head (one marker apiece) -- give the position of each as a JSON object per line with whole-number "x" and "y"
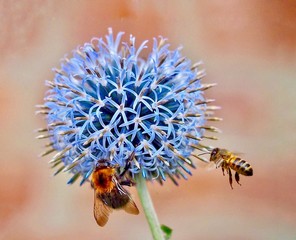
{"x": 107, "y": 101}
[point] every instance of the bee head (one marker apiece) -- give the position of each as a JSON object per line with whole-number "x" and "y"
{"x": 105, "y": 163}
{"x": 214, "y": 154}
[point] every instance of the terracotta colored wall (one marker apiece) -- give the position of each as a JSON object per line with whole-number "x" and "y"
{"x": 249, "y": 49}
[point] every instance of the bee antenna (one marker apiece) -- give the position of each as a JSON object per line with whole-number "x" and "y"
{"x": 204, "y": 153}
{"x": 104, "y": 162}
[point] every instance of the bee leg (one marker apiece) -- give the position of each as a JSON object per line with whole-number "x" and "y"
{"x": 128, "y": 183}
{"x": 128, "y": 164}
{"x": 219, "y": 163}
{"x": 237, "y": 178}
{"x": 230, "y": 178}
{"x": 223, "y": 171}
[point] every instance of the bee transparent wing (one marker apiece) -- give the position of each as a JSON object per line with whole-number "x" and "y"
{"x": 239, "y": 154}
{"x": 101, "y": 211}
{"x": 131, "y": 207}
{"x": 226, "y": 153}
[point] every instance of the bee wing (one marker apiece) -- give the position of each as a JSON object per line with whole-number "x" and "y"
{"x": 101, "y": 211}
{"x": 229, "y": 153}
{"x": 131, "y": 207}
{"x": 238, "y": 153}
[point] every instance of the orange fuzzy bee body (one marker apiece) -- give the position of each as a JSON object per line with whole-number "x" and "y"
{"x": 109, "y": 195}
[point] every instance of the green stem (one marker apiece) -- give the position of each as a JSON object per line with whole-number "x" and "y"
{"x": 148, "y": 208}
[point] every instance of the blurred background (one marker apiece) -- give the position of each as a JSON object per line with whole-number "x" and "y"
{"x": 249, "y": 49}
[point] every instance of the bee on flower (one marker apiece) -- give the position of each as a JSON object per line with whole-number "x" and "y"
{"x": 108, "y": 101}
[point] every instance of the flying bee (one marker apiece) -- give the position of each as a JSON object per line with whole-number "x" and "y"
{"x": 227, "y": 161}
{"x": 109, "y": 193}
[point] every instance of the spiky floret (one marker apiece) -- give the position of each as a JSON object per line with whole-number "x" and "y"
{"x": 107, "y": 102}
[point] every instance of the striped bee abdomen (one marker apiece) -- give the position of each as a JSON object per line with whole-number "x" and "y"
{"x": 241, "y": 166}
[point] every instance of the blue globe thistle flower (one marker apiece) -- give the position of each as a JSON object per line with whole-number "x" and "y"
{"x": 107, "y": 102}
